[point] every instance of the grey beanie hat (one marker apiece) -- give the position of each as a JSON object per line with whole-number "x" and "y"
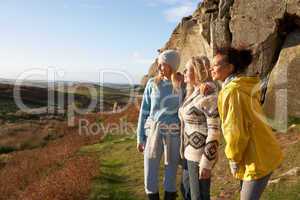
{"x": 170, "y": 57}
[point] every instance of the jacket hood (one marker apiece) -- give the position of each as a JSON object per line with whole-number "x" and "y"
{"x": 248, "y": 85}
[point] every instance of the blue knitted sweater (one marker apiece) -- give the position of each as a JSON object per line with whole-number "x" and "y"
{"x": 160, "y": 103}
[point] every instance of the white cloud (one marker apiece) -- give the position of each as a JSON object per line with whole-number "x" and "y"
{"x": 175, "y": 14}
{"x": 175, "y": 9}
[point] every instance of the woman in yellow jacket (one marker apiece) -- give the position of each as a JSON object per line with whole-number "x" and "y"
{"x": 251, "y": 147}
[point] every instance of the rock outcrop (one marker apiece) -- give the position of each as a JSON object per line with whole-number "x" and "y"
{"x": 254, "y": 24}
{"x": 265, "y": 27}
{"x": 282, "y": 99}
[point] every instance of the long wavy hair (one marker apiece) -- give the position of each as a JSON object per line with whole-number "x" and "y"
{"x": 202, "y": 73}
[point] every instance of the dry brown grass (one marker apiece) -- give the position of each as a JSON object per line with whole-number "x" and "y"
{"x": 70, "y": 182}
{"x": 55, "y": 171}
{"x": 27, "y": 167}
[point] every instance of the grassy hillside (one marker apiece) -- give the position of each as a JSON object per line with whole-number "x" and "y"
{"x": 288, "y": 187}
{"x": 35, "y": 97}
{"x": 120, "y": 176}
{"x": 46, "y": 162}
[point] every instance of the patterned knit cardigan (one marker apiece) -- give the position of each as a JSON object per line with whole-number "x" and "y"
{"x": 200, "y": 128}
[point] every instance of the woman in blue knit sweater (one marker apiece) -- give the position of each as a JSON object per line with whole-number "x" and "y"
{"x": 158, "y": 126}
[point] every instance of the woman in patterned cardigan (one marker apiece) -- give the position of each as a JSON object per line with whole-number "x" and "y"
{"x": 200, "y": 124}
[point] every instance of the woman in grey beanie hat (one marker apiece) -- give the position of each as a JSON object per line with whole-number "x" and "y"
{"x": 158, "y": 126}
{"x": 170, "y": 57}
{"x": 168, "y": 64}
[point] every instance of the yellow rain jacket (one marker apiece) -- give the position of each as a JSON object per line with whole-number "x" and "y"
{"x": 250, "y": 142}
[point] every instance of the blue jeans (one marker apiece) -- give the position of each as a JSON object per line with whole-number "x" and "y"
{"x": 185, "y": 183}
{"x": 252, "y": 190}
{"x": 200, "y": 188}
{"x": 151, "y": 167}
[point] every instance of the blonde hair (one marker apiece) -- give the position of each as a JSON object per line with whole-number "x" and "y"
{"x": 202, "y": 73}
{"x": 175, "y": 82}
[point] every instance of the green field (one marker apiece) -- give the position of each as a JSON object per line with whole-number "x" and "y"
{"x": 121, "y": 173}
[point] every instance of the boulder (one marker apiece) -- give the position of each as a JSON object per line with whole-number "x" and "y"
{"x": 253, "y": 25}
{"x": 241, "y": 23}
{"x": 282, "y": 98}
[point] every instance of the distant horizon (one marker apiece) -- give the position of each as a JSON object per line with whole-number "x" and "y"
{"x": 67, "y": 81}
{"x": 76, "y": 36}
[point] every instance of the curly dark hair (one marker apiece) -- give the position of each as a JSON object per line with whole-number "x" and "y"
{"x": 239, "y": 58}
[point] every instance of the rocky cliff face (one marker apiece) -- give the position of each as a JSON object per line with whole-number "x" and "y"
{"x": 270, "y": 28}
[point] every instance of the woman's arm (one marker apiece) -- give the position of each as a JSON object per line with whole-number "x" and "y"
{"x": 144, "y": 112}
{"x": 210, "y": 154}
{"x": 208, "y": 88}
{"x": 234, "y": 127}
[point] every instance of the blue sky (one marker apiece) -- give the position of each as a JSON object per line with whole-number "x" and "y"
{"x": 82, "y": 37}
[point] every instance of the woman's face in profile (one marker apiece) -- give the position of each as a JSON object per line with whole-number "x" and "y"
{"x": 164, "y": 70}
{"x": 220, "y": 70}
{"x": 189, "y": 74}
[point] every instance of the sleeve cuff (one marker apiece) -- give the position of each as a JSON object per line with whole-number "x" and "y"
{"x": 140, "y": 140}
{"x": 233, "y": 165}
{"x": 206, "y": 164}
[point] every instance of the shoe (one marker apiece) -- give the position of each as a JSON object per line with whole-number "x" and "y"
{"x": 154, "y": 196}
{"x": 170, "y": 195}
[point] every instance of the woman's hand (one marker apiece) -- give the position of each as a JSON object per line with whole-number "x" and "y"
{"x": 140, "y": 148}
{"x": 234, "y": 167}
{"x": 204, "y": 173}
{"x": 205, "y": 89}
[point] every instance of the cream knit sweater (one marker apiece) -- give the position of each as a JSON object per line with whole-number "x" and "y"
{"x": 200, "y": 128}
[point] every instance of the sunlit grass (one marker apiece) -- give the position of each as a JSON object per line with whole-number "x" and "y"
{"x": 120, "y": 174}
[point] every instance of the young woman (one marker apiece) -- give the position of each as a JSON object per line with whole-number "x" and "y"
{"x": 158, "y": 126}
{"x": 251, "y": 147}
{"x": 199, "y": 127}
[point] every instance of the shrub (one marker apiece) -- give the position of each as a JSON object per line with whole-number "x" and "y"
{"x": 6, "y": 149}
